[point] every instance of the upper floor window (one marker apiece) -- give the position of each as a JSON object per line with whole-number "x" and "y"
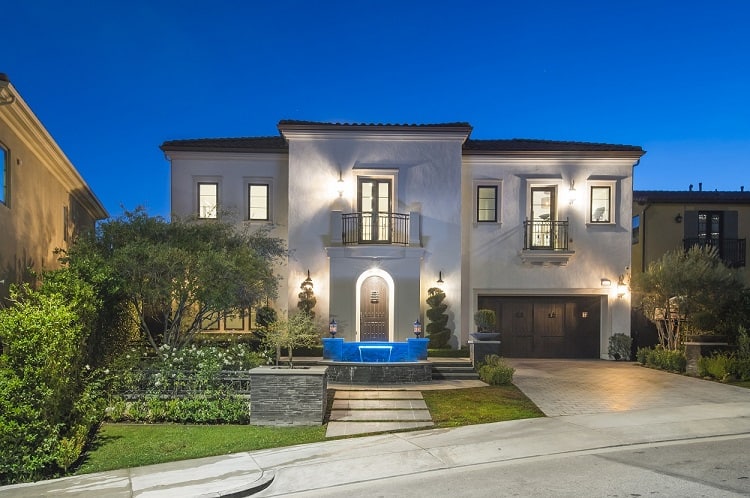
{"x": 208, "y": 200}
{"x": 486, "y": 203}
{"x": 4, "y": 174}
{"x": 601, "y": 204}
{"x": 258, "y": 202}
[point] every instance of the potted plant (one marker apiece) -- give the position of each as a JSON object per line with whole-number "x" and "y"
{"x": 485, "y": 321}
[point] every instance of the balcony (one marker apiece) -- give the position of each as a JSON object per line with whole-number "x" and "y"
{"x": 731, "y": 251}
{"x": 546, "y": 242}
{"x": 375, "y": 229}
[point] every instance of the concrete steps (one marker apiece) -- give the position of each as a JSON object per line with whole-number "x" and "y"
{"x": 369, "y": 411}
{"x": 457, "y": 369}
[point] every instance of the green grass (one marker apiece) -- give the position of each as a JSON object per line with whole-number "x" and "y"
{"x": 741, "y": 383}
{"x": 478, "y": 405}
{"x": 119, "y": 446}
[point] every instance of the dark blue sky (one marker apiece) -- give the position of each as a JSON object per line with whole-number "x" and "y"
{"x": 112, "y": 80}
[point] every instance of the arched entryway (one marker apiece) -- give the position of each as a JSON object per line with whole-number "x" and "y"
{"x": 375, "y": 306}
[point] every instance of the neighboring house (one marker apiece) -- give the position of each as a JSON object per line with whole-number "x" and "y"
{"x": 669, "y": 220}
{"x": 537, "y": 230}
{"x": 43, "y": 200}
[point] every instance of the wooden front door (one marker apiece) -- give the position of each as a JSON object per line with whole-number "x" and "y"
{"x": 373, "y": 308}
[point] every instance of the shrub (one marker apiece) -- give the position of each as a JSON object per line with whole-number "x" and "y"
{"x": 641, "y": 355}
{"x": 495, "y": 371}
{"x": 619, "y": 346}
{"x": 215, "y": 407}
{"x": 718, "y": 366}
{"x": 666, "y": 359}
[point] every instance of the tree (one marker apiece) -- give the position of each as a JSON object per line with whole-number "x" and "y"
{"x": 179, "y": 276}
{"x": 437, "y": 331}
{"x": 300, "y": 330}
{"x": 687, "y": 291}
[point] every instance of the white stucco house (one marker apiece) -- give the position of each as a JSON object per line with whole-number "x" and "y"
{"x": 537, "y": 230}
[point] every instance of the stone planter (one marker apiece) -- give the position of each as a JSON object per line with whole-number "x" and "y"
{"x": 697, "y": 346}
{"x": 485, "y": 336}
{"x": 284, "y": 396}
{"x": 479, "y": 349}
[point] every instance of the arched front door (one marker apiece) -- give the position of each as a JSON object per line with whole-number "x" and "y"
{"x": 373, "y": 306}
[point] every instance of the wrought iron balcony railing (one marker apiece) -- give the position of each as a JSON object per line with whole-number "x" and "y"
{"x": 545, "y": 235}
{"x": 731, "y": 251}
{"x": 375, "y": 228}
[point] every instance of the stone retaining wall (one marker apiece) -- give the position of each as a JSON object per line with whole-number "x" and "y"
{"x": 283, "y": 396}
{"x": 380, "y": 373}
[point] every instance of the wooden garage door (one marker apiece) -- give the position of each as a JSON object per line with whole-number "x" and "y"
{"x": 547, "y": 327}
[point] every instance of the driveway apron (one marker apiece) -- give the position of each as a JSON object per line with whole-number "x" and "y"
{"x": 577, "y": 387}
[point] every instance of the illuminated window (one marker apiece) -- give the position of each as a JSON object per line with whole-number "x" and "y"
{"x": 258, "y": 202}
{"x": 487, "y": 203}
{"x": 234, "y": 321}
{"x": 601, "y": 204}
{"x": 208, "y": 200}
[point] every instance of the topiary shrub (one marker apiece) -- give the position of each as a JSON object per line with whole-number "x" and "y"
{"x": 495, "y": 372}
{"x": 437, "y": 332}
{"x": 619, "y": 346}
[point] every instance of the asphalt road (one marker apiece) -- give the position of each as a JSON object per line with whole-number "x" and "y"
{"x": 713, "y": 467}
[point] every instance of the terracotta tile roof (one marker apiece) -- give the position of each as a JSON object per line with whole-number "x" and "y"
{"x": 240, "y": 144}
{"x": 691, "y": 196}
{"x": 524, "y": 144}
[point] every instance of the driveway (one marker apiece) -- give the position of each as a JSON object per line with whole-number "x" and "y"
{"x": 577, "y": 387}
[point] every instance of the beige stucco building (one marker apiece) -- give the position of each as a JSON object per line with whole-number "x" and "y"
{"x": 44, "y": 201}
{"x": 537, "y": 230}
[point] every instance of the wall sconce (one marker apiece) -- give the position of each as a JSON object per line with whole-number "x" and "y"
{"x": 333, "y": 327}
{"x": 440, "y": 277}
{"x": 606, "y": 282}
{"x": 621, "y": 287}
{"x": 417, "y": 328}
{"x": 340, "y": 185}
{"x": 5, "y": 83}
{"x": 572, "y": 192}
{"x": 678, "y": 218}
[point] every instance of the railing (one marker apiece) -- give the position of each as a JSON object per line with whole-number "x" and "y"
{"x": 731, "y": 251}
{"x": 375, "y": 228}
{"x": 545, "y": 235}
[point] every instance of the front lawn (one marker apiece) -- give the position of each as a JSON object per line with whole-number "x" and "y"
{"x": 479, "y": 405}
{"x": 119, "y": 446}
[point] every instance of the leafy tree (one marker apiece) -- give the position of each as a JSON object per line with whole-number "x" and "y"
{"x": 437, "y": 331}
{"x": 689, "y": 290}
{"x": 179, "y": 276}
{"x": 299, "y": 331}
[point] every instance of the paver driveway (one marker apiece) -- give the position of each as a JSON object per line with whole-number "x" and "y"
{"x": 575, "y": 387}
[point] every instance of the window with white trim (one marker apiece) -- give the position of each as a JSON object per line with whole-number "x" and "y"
{"x": 208, "y": 200}
{"x": 486, "y": 203}
{"x": 601, "y": 208}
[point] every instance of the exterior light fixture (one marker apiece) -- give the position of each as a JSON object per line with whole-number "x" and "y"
{"x": 340, "y": 185}
{"x": 307, "y": 285}
{"x": 678, "y": 218}
{"x": 417, "y": 328}
{"x": 572, "y": 192}
{"x": 440, "y": 277}
{"x": 606, "y": 282}
{"x": 621, "y": 287}
{"x": 333, "y": 327}
{"x": 8, "y": 98}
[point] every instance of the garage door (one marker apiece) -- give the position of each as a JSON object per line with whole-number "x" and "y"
{"x": 547, "y": 327}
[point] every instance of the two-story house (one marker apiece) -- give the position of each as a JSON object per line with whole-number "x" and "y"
{"x": 668, "y": 220}
{"x": 44, "y": 201}
{"x": 537, "y": 230}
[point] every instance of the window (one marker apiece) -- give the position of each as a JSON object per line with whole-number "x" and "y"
{"x": 374, "y": 201}
{"x": 234, "y": 321}
{"x": 636, "y": 229}
{"x": 258, "y": 202}
{"x": 486, "y": 203}
{"x": 208, "y": 200}
{"x": 5, "y": 174}
{"x": 210, "y": 322}
{"x": 601, "y": 204}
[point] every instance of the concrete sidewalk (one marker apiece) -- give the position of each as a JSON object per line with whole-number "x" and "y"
{"x": 671, "y": 408}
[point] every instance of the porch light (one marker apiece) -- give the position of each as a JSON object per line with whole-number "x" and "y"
{"x": 572, "y": 192}
{"x": 621, "y": 287}
{"x": 417, "y": 328}
{"x": 340, "y": 185}
{"x": 333, "y": 327}
{"x": 678, "y": 218}
{"x": 606, "y": 282}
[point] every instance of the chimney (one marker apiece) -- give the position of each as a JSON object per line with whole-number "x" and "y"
{"x": 691, "y": 187}
{"x": 700, "y": 186}
{"x": 742, "y": 188}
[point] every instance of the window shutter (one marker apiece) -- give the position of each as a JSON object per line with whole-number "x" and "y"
{"x": 691, "y": 224}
